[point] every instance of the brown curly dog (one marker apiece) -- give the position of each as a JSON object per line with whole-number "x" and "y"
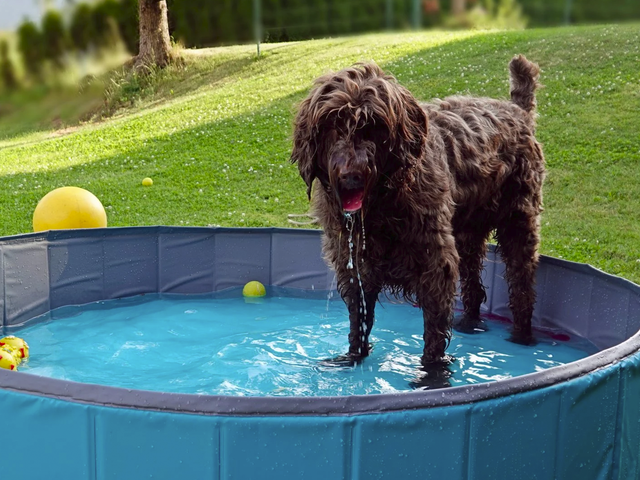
{"x": 409, "y": 193}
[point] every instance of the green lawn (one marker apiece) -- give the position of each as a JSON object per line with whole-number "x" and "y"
{"x": 215, "y": 135}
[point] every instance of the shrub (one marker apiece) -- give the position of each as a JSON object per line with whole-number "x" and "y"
{"x": 104, "y": 25}
{"x": 55, "y": 38}
{"x": 82, "y": 27}
{"x": 31, "y": 48}
{"x": 127, "y": 20}
{"x": 7, "y": 70}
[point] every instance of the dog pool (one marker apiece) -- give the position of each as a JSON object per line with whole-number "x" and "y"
{"x": 224, "y": 345}
{"x": 575, "y": 420}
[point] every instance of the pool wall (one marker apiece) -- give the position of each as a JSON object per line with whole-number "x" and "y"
{"x": 581, "y": 420}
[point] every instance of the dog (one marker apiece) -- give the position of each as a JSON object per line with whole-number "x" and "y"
{"x": 408, "y": 193}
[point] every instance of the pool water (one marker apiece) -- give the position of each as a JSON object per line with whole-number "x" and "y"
{"x": 272, "y": 346}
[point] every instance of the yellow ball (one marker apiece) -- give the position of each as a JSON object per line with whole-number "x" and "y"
{"x": 17, "y": 344}
{"x": 254, "y": 289}
{"x": 15, "y": 353}
{"x": 69, "y": 207}
{"x": 7, "y": 360}
{"x": 147, "y": 182}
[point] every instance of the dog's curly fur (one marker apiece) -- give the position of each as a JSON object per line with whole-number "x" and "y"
{"x": 434, "y": 179}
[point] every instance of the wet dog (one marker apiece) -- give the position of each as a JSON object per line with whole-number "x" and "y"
{"x": 408, "y": 193}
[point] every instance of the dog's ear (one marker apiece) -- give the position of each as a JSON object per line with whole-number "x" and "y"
{"x": 304, "y": 145}
{"x": 411, "y": 128}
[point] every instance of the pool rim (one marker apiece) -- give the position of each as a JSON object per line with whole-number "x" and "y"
{"x": 109, "y": 396}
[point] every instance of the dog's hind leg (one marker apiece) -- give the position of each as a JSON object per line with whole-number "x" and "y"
{"x": 472, "y": 249}
{"x": 518, "y": 240}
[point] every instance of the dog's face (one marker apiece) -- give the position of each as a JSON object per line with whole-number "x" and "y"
{"x": 346, "y": 164}
{"x": 356, "y": 127}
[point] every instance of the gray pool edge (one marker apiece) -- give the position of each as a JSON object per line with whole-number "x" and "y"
{"x": 284, "y": 406}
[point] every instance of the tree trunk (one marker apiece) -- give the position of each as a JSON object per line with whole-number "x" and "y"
{"x": 458, "y": 7}
{"x": 155, "y": 44}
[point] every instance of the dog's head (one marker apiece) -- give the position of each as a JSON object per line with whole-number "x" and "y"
{"x": 356, "y": 127}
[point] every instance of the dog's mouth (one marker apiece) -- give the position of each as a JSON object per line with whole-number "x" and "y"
{"x": 352, "y": 199}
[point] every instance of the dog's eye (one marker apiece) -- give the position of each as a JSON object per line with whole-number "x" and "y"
{"x": 367, "y": 131}
{"x": 373, "y": 133}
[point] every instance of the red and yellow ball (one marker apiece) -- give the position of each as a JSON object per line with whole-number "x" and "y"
{"x": 12, "y": 351}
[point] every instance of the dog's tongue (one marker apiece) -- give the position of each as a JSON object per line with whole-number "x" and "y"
{"x": 352, "y": 200}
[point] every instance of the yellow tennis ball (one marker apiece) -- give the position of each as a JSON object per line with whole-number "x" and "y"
{"x": 254, "y": 289}
{"x": 69, "y": 207}
{"x": 147, "y": 182}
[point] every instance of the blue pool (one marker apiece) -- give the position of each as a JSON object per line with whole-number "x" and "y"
{"x": 577, "y": 420}
{"x": 271, "y": 346}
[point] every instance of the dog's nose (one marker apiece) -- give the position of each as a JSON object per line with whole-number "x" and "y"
{"x": 351, "y": 180}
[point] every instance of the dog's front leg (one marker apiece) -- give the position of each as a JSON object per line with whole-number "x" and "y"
{"x": 436, "y": 292}
{"x": 361, "y": 318}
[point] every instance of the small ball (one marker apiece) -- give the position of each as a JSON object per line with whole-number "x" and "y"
{"x": 7, "y": 360}
{"x": 15, "y": 353}
{"x": 17, "y": 344}
{"x": 147, "y": 182}
{"x": 254, "y": 289}
{"x": 69, "y": 207}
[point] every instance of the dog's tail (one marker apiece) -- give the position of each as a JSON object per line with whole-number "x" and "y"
{"x": 524, "y": 82}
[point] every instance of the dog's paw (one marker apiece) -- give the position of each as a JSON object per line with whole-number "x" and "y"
{"x": 349, "y": 360}
{"x": 432, "y": 376}
{"x": 527, "y": 339}
{"x": 429, "y": 362}
{"x": 468, "y": 324}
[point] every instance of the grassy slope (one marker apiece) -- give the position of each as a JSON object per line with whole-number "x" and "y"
{"x": 59, "y": 102}
{"x": 215, "y": 137}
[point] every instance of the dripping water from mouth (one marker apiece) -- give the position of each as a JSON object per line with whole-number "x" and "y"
{"x": 350, "y": 219}
{"x": 349, "y": 224}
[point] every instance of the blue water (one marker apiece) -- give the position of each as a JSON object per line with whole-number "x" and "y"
{"x": 270, "y": 347}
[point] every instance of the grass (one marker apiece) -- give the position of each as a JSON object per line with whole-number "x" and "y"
{"x": 215, "y": 134}
{"x": 62, "y": 98}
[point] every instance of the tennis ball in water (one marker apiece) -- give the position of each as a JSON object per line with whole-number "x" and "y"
{"x": 254, "y": 289}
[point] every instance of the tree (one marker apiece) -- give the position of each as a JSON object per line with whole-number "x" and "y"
{"x": 155, "y": 44}
{"x": 128, "y": 24}
{"x": 7, "y": 71}
{"x": 31, "y": 47}
{"x": 104, "y": 18}
{"x": 81, "y": 29}
{"x": 224, "y": 24}
{"x": 55, "y": 38}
